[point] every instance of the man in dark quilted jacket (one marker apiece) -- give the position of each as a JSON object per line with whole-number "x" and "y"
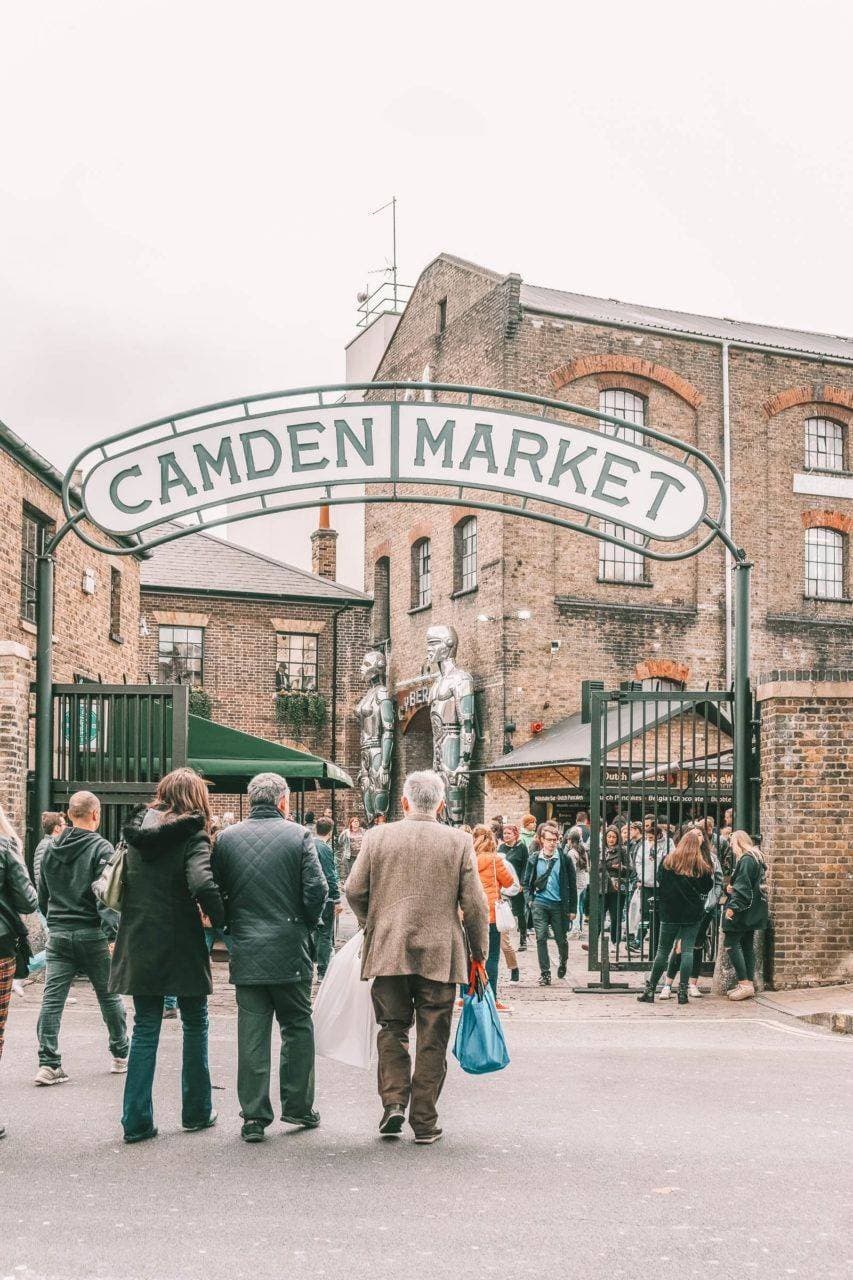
{"x": 274, "y": 891}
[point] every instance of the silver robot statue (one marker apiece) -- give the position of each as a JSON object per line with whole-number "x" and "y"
{"x": 451, "y": 710}
{"x": 375, "y": 715}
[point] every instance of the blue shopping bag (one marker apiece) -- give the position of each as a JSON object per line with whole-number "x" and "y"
{"x": 480, "y": 1046}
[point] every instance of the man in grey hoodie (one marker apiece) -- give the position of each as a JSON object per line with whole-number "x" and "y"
{"x": 76, "y": 937}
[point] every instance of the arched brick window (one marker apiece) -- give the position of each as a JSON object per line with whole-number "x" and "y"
{"x": 623, "y": 404}
{"x": 615, "y": 564}
{"x": 382, "y": 599}
{"x": 824, "y": 563}
{"x": 465, "y": 554}
{"x": 824, "y": 444}
{"x": 421, "y": 574}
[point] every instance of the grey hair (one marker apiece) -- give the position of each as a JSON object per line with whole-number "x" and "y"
{"x": 267, "y": 788}
{"x": 424, "y": 791}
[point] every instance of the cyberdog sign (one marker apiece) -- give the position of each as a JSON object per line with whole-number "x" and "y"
{"x": 268, "y": 455}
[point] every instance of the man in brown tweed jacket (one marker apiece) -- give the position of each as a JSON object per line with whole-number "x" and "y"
{"x": 407, "y": 888}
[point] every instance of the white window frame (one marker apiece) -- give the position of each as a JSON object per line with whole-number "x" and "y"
{"x": 824, "y": 563}
{"x": 623, "y": 404}
{"x": 824, "y": 444}
{"x": 616, "y": 564}
{"x": 196, "y": 678}
{"x": 466, "y": 531}
{"x": 422, "y": 573}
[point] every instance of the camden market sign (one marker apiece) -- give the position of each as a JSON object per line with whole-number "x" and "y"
{"x": 291, "y": 450}
{"x": 503, "y": 451}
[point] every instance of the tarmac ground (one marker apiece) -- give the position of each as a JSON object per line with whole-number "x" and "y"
{"x": 623, "y": 1140}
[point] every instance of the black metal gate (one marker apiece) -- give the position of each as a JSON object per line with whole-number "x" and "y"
{"x": 660, "y": 760}
{"x": 116, "y": 741}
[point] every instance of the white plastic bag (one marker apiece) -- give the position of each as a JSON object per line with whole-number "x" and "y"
{"x": 345, "y": 1025}
{"x": 504, "y": 916}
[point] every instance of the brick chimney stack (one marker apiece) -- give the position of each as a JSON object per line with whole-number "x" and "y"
{"x": 323, "y": 550}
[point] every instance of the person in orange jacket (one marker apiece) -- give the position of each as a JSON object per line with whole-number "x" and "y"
{"x": 495, "y": 874}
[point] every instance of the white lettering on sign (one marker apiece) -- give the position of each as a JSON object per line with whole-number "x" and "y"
{"x": 268, "y": 456}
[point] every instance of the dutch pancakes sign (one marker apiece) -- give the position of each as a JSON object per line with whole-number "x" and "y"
{"x": 276, "y": 453}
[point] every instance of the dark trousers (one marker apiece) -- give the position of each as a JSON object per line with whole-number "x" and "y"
{"x": 324, "y": 938}
{"x": 698, "y": 947}
{"x": 138, "y": 1114}
{"x": 69, "y": 953}
{"x": 290, "y": 1002}
{"x": 669, "y": 933}
{"x": 740, "y": 944}
{"x": 549, "y": 915}
{"x": 398, "y": 1002}
{"x": 519, "y": 910}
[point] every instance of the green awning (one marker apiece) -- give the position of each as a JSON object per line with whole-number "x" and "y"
{"x": 228, "y": 758}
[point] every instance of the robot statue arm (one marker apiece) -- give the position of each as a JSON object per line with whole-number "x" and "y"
{"x": 386, "y": 709}
{"x": 468, "y": 735}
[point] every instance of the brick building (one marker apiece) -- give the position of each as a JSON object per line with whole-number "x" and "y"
{"x": 96, "y": 631}
{"x": 539, "y": 609}
{"x": 276, "y": 649}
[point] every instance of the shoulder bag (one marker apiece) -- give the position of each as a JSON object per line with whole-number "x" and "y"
{"x": 15, "y": 925}
{"x": 504, "y": 915}
{"x": 110, "y": 884}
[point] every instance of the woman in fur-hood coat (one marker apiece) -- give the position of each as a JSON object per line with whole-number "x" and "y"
{"x": 160, "y": 949}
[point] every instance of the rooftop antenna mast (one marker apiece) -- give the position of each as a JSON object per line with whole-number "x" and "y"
{"x": 392, "y": 204}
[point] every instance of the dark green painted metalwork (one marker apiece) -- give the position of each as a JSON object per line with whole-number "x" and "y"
{"x": 44, "y": 729}
{"x": 644, "y": 743}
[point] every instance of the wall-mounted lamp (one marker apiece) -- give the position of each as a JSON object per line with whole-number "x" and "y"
{"x": 89, "y": 582}
{"x": 143, "y": 628}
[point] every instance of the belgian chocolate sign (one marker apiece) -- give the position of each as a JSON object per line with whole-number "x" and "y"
{"x": 277, "y": 454}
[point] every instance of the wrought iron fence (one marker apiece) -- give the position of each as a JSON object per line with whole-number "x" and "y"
{"x": 661, "y": 760}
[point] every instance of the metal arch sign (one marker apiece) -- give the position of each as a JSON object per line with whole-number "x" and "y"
{"x": 290, "y": 450}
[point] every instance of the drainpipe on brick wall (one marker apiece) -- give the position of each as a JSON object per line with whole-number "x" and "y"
{"x": 334, "y": 751}
{"x": 727, "y": 476}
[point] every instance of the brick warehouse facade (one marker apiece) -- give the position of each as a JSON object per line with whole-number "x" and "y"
{"x": 246, "y": 604}
{"x": 96, "y": 615}
{"x": 468, "y": 325}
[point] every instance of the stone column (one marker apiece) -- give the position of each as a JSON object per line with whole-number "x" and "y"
{"x": 15, "y": 675}
{"x": 806, "y": 808}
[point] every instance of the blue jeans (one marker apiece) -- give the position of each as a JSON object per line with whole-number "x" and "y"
{"x": 39, "y": 960}
{"x": 138, "y": 1114}
{"x": 68, "y": 953}
{"x": 583, "y": 897}
{"x": 217, "y": 935}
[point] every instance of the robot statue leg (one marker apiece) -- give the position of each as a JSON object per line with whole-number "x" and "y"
{"x": 454, "y": 794}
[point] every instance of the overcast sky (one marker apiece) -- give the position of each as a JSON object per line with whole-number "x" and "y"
{"x": 184, "y": 186}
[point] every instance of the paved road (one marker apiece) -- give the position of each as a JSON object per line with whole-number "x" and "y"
{"x": 622, "y": 1141}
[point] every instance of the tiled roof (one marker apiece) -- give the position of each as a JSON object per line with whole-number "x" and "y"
{"x": 202, "y": 563}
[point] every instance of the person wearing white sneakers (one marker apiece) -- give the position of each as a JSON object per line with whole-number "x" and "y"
{"x": 708, "y": 920}
{"x": 77, "y": 940}
{"x": 684, "y": 882}
{"x": 746, "y": 910}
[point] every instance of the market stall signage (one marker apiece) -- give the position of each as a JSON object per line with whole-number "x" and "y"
{"x": 410, "y": 699}
{"x": 280, "y": 455}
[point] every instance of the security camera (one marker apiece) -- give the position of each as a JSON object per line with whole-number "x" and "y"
{"x": 556, "y": 645}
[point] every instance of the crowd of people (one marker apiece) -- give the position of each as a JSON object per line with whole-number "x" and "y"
{"x": 434, "y": 900}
